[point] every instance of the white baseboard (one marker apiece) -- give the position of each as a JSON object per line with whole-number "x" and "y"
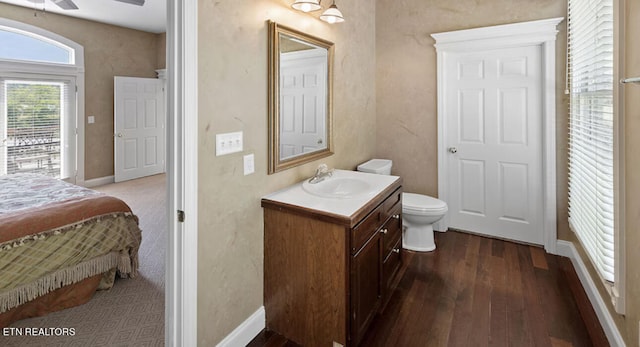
{"x": 95, "y": 182}
{"x": 246, "y": 331}
{"x": 568, "y": 249}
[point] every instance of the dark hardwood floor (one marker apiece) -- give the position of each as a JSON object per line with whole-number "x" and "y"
{"x": 477, "y": 291}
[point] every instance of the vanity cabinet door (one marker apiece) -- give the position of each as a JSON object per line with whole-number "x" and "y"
{"x": 366, "y": 286}
{"x": 392, "y": 263}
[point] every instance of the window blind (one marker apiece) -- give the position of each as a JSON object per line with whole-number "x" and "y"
{"x": 32, "y": 117}
{"x": 591, "y": 197}
{"x": 3, "y": 130}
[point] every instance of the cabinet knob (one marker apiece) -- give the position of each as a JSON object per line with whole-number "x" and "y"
{"x": 396, "y": 250}
{"x": 396, "y": 216}
{"x": 384, "y": 231}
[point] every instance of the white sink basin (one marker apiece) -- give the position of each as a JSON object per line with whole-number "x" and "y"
{"x": 342, "y": 194}
{"x": 338, "y": 187}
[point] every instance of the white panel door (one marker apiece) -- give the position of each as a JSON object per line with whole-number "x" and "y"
{"x": 494, "y": 120}
{"x": 139, "y": 128}
{"x": 302, "y": 102}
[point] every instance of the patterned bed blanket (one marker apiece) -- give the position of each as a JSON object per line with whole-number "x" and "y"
{"x": 54, "y": 234}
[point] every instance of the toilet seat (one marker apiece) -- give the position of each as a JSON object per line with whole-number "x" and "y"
{"x": 422, "y": 204}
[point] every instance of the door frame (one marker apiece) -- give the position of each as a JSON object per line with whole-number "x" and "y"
{"x": 534, "y": 33}
{"x": 181, "y": 267}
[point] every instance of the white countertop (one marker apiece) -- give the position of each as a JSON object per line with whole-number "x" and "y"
{"x": 296, "y": 195}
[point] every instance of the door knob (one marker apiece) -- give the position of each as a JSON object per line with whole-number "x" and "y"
{"x": 119, "y": 134}
{"x": 453, "y": 150}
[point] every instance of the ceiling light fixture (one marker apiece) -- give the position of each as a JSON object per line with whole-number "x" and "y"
{"x": 332, "y": 14}
{"x": 307, "y": 5}
{"x": 65, "y": 4}
{"x": 133, "y": 2}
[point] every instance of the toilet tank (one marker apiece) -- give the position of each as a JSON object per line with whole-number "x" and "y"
{"x": 377, "y": 166}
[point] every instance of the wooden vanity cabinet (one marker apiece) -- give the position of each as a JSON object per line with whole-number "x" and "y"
{"x": 328, "y": 276}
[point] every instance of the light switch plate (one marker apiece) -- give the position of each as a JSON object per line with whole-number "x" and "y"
{"x": 228, "y": 143}
{"x": 249, "y": 164}
{"x": 91, "y": 119}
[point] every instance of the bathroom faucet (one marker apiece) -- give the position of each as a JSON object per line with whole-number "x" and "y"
{"x": 322, "y": 172}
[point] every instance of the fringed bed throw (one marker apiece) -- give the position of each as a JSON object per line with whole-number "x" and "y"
{"x": 126, "y": 265}
{"x": 37, "y": 264}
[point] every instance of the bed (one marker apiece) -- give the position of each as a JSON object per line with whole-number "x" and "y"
{"x": 59, "y": 243}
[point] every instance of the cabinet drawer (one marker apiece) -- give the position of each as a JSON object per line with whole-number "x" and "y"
{"x": 393, "y": 204}
{"x": 369, "y": 226}
{"x": 392, "y": 230}
{"x": 390, "y": 207}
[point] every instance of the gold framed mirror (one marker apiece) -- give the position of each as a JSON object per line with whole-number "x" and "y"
{"x": 300, "y": 97}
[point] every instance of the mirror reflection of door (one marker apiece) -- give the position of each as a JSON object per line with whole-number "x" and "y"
{"x": 303, "y": 90}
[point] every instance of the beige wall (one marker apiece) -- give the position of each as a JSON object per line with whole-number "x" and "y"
{"x": 632, "y": 163}
{"x": 406, "y": 80}
{"x": 233, "y": 97}
{"x": 161, "y": 51}
{"x": 628, "y": 324}
{"x": 108, "y": 51}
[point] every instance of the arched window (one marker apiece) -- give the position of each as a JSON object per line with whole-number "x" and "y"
{"x": 24, "y": 43}
{"x": 24, "y": 46}
{"x": 41, "y": 103}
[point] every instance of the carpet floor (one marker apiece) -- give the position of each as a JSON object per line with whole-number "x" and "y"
{"x": 132, "y": 312}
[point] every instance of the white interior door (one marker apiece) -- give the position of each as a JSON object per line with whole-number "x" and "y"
{"x": 303, "y": 88}
{"x": 139, "y": 128}
{"x": 494, "y": 142}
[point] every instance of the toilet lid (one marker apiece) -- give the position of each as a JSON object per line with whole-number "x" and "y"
{"x": 422, "y": 203}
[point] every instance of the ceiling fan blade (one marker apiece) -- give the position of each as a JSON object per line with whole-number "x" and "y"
{"x": 133, "y": 2}
{"x": 65, "y": 4}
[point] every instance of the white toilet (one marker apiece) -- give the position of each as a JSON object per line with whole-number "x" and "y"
{"x": 419, "y": 212}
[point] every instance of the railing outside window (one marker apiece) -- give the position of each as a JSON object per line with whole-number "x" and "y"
{"x": 33, "y": 150}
